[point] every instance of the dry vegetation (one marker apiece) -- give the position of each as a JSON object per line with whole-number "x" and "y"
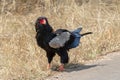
{"x": 22, "y": 59}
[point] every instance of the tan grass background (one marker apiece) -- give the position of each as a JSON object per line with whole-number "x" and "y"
{"x": 22, "y": 59}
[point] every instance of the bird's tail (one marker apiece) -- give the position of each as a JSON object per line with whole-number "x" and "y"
{"x": 86, "y": 33}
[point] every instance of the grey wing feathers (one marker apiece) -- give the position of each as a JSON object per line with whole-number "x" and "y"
{"x": 60, "y": 40}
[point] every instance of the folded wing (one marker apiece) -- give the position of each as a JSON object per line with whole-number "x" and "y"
{"x": 63, "y": 36}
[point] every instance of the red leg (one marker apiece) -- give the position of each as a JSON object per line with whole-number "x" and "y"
{"x": 48, "y": 66}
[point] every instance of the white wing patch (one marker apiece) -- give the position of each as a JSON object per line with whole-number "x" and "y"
{"x": 60, "y": 40}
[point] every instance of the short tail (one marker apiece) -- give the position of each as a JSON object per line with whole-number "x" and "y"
{"x": 86, "y": 33}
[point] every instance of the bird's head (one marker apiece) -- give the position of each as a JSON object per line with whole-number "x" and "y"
{"x": 41, "y": 22}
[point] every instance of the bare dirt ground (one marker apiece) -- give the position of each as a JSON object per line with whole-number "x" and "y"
{"x": 107, "y": 68}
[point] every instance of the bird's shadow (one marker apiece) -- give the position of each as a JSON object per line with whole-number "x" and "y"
{"x": 74, "y": 67}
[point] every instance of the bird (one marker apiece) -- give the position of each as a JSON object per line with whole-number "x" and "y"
{"x": 56, "y": 42}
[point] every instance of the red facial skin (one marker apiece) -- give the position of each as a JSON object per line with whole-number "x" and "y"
{"x": 42, "y": 21}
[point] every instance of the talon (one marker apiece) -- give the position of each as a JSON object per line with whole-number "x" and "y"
{"x": 61, "y": 68}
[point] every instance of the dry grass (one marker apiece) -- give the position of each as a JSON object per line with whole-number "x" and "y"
{"x": 22, "y": 59}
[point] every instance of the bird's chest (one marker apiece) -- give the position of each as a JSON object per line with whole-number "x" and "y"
{"x": 45, "y": 39}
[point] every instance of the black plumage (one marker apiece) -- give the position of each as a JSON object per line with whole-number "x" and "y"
{"x": 45, "y": 33}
